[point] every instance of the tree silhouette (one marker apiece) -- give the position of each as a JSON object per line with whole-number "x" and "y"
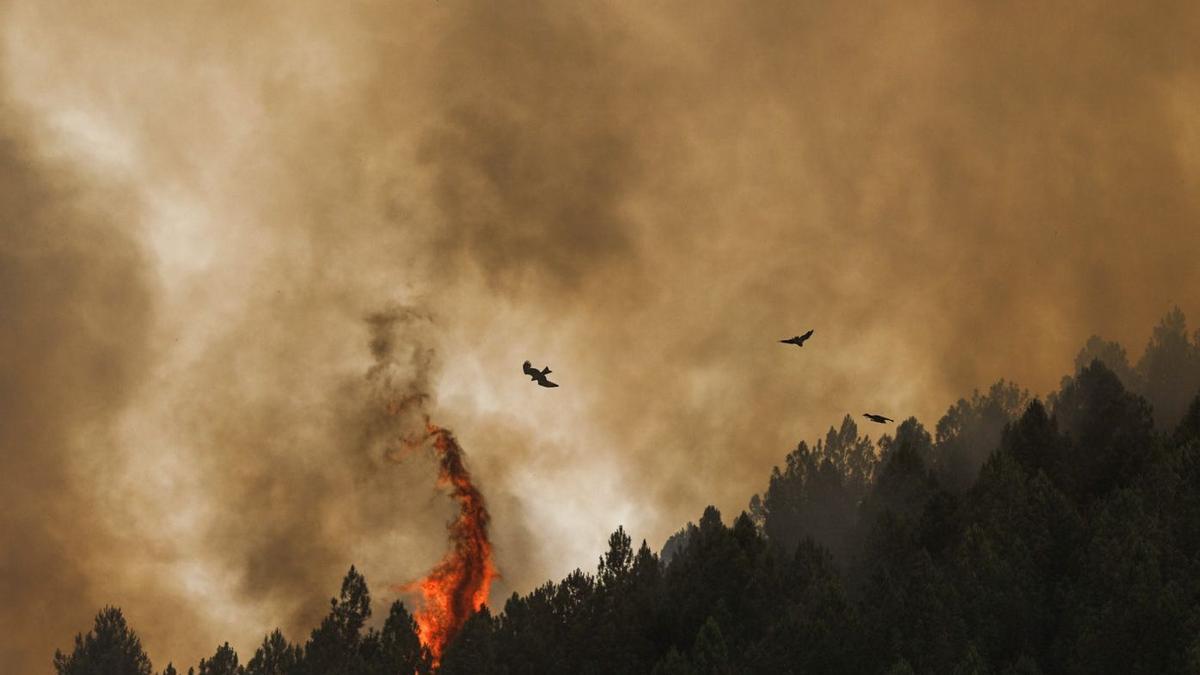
{"x": 1110, "y": 432}
{"x": 400, "y": 649}
{"x": 817, "y": 492}
{"x": 335, "y": 646}
{"x": 971, "y": 429}
{"x": 1169, "y": 369}
{"x": 275, "y": 657}
{"x": 1113, "y": 356}
{"x": 473, "y": 650}
{"x": 110, "y": 648}
{"x": 223, "y": 662}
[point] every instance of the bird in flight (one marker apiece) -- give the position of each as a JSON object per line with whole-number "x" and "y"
{"x": 538, "y": 376}
{"x": 880, "y": 419}
{"x": 798, "y": 340}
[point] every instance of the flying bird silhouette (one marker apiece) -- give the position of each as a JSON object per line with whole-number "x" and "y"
{"x": 880, "y": 419}
{"x": 798, "y": 340}
{"x": 538, "y": 376}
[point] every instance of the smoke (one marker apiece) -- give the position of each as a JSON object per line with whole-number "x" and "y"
{"x": 643, "y": 196}
{"x": 400, "y": 378}
{"x": 75, "y": 309}
{"x": 532, "y": 155}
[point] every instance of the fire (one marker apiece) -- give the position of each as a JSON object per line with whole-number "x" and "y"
{"x": 399, "y": 380}
{"x": 458, "y": 585}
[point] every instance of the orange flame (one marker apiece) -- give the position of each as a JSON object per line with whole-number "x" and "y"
{"x": 458, "y": 585}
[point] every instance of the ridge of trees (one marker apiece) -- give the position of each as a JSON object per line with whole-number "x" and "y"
{"x": 1022, "y": 536}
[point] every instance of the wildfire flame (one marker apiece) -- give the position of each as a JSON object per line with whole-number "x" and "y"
{"x": 400, "y": 381}
{"x": 458, "y": 585}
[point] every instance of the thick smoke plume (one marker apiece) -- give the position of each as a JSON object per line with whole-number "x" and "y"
{"x": 459, "y": 584}
{"x": 200, "y": 202}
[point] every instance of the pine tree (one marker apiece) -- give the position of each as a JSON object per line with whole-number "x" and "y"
{"x": 970, "y": 430}
{"x": 110, "y": 648}
{"x": 223, "y": 662}
{"x": 1170, "y": 369}
{"x": 1113, "y": 356}
{"x": 473, "y": 650}
{"x": 335, "y": 644}
{"x": 275, "y": 657}
{"x": 1111, "y": 433}
{"x": 401, "y": 650}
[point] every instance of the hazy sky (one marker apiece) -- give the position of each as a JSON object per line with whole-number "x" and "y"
{"x": 202, "y": 202}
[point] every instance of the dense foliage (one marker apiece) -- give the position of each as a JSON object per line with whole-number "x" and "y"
{"x": 1020, "y": 537}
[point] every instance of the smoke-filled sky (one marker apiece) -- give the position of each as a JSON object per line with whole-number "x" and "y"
{"x": 201, "y": 205}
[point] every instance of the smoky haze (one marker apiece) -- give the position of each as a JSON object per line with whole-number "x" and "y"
{"x": 200, "y": 206}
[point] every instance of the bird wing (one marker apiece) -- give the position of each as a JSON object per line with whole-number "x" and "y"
{"x": 791, "y": 340}
{"x": 546, "y": 383}
{"x": 806, "y": 335}
{"x": 528, "y": 368}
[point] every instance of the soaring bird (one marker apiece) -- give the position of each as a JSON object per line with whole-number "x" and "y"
{"x": 880, "y": 419}
{"x": 538, "y": 376}
{"x": 798, "y": 340}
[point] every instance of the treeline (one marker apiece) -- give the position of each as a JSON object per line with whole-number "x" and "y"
{"x": 339, "y": 645}
{"x": 1021, "y": 536}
